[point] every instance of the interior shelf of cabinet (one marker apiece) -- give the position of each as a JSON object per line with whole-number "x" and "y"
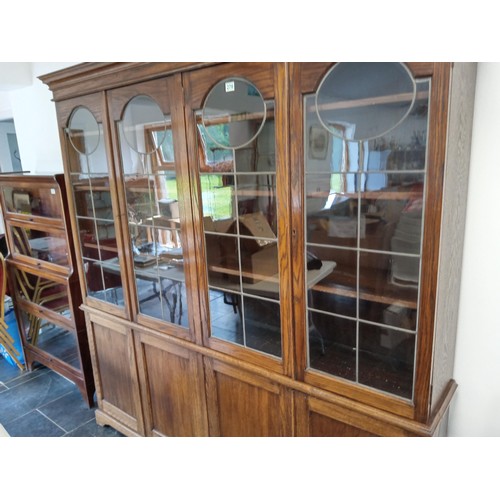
{"x": 254, "y": 276}
{"x": 85, "y": 187}
{"x": 372, "y": 101}
{"x": 371, "y": 195}
{"x": 344, "y": 284}
{"x": 105, "y": 247}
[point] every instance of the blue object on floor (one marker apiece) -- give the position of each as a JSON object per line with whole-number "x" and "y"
{"x": 13, "y": 331}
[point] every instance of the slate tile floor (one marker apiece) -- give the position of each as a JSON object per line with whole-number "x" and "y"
{"x": 42, "y": 403}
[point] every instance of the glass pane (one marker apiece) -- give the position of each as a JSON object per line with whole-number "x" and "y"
{"x": 392, "y": 211}
{"x": 222, "y": 262}
{"x": 325, "y": 152}
{"x": 400, "y": 312}
{"x": 225, "y": 316}
{"x": 358, "y": 100}
{"x": 332, "y": 209}
{"x": 404, "y": 148}
{"x": 262, "y": 326}
{"x": 256, "y": 196}
{"x": 233, "y": 113}
{"x": 42, "y": 245}
{"x": 104, "y": 280}
{"x": 331, "y": 280}
{"x": 259, "y": 270}
{"x": 218, "y": 199}
{"x": 29, "y": 200}
{"x": 141, "y": 112}
{"x": 51, "y": 338}
{"x": 43, "y": 292}
{"x": 83, "y": 131}
{"x": 92, "y": 198}
{"x": 386, "y": 359}
{"x": 94, "y": 162}
{"x": 332, "y": 345}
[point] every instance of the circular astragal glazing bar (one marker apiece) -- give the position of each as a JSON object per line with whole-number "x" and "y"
{"x": 83, "y": 131}
{"x": 140, "y": 112}
{"x": 234, "y": 113}
{"x": 362, "y": 101}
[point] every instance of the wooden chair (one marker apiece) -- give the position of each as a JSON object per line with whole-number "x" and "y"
{"x": 6, "y": 339}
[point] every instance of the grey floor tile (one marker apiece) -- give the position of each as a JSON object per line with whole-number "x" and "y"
{"x": 33, "y": 424}
{"x": 92, "y": 429}
{"x": 32, "y": 394}
{"x": 68, "y": 411}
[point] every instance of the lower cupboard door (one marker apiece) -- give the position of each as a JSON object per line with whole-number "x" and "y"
{"x": 244, "y": 404}
{"x": 172, "y": 388}
{"x": 116, "y": 375}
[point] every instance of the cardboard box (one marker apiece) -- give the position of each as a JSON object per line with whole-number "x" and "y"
{"x": 262, "y": 264}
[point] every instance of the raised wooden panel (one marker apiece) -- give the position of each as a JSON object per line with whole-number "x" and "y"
{"x": 316, "y": 418}
{"x": 114, "y": 358}
{"x": 244, "y": 404}
{"x": 322, "y": 426}
{"x": 173, "y": 391}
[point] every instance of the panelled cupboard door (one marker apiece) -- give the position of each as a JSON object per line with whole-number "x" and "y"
{"x": 237, "y": 144}
{"x": 172, "y": 387}
{"x": 244, "y": 404}
{"x": 92, "y": 202}
{"x": 368, "y": 183}
{"x": 115, "y": 370}
{"x": 147, "y": 130}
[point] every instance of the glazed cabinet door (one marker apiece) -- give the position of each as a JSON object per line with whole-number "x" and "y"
{"x": 147, "y": 129}
{"x": 368, "y": 180}
{"x": 237, "y": 143}
{"x": 91, "y": 192}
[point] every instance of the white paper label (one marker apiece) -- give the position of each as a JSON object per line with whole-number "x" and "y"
{"x": 229, "y": 86}
{"x": 52, "y": 191}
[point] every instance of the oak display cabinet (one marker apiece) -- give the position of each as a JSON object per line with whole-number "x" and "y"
{"x": 269, "y": 249}
{"x": 43, "y": 279}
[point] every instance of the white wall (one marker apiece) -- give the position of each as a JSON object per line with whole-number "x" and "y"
{"x": 36, "y": 123}
{"x": 476, "y": 407}
{"x": 5, "y": 159}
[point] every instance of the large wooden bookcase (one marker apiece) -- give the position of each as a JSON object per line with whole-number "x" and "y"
{"x": 251, "y": 264}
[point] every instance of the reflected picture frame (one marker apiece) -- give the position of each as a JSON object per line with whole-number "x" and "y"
{"x": 318, "y": 142}
{"x": 21, "y": 201}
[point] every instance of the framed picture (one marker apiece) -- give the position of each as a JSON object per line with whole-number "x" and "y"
{"x": 21, "y": 201}
{"x": 318, "y": 142}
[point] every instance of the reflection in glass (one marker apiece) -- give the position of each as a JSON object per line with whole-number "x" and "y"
{"x": 42, "y": 245}
{"x": 83, "y": 131}
{"x": 358, "y": 101}
{"x": 233, "y": 113}
{"x": 29, "y": 200}
{"x": 51, "y": 338}
{"x": 142, "y": 111}
{"x": 154, "y": 223}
